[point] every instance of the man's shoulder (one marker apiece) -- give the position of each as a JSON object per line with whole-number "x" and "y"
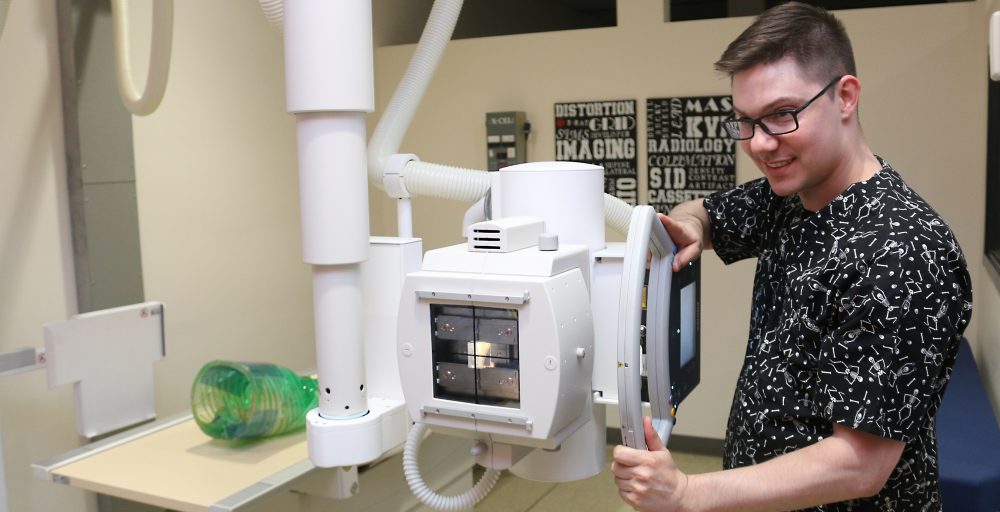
{"x": 888, "y": 209}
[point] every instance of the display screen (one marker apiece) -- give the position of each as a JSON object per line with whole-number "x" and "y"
{"x": 689, "y": 295}
{"x": 685, "y": 338}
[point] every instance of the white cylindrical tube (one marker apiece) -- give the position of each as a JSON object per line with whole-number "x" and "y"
{"x": 580, "y": 456}
{"x": 569, "y": 196}
{"x": 333, "y": 188}
{"x": 340, "y": 363}
{"x": 404, "y": 218}
{"x": 328, "y": 56}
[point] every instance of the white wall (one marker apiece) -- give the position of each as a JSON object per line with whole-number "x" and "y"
{"x": 923, "y": 108}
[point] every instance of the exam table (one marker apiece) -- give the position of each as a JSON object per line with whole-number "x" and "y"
{"x": 171, "y": 464}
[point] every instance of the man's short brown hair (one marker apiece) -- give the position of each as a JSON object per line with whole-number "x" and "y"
{"x": 810, "y": 35}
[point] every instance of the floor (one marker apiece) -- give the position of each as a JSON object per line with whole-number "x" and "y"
{"x": 512, "y": 494}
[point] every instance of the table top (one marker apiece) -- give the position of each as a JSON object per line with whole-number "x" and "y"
{"x": 173, "y": 464}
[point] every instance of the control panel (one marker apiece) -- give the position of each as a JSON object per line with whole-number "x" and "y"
{"x": 506, "y": 138}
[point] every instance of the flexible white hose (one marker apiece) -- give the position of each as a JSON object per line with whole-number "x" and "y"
{"x": 274, "y": 11}
{"x": 411, "y": 470}
{"x": 617, "y": 213}
{"x": 388, "y": 134}
{"x": 159, "y": 56}
{"x": 427, "y": 179}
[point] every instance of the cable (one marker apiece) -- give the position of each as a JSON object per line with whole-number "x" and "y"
{"x": 411, "y": 470}
{"x": 159, "y": 56}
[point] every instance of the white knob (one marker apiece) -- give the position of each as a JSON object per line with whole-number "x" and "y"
{"x": 548, "y": 242}
{"x": 551, "y": 363}
{"x": 478, "y": 449}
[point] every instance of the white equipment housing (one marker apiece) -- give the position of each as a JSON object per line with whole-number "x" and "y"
{"x": 497, "y": 336}
{"x": 107, "y": 355}
{"x": 509, "y": 339}
{"x": 480, "y": 373}
{"x": 505, "y": 235}
{"x": 505, "y": 340}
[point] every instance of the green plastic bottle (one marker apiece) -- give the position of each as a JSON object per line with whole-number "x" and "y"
{"x": 233, "y": 400}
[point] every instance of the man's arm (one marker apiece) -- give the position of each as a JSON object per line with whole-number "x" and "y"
{"x": 849, "y": 464}
{"x": 689, "y": 228}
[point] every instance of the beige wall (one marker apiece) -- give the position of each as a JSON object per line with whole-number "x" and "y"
{"x": 218, "y": 206}
{"x": 36, "y": 270}
{"x": 218, "y": 212}
{"x": 923, "y": 108}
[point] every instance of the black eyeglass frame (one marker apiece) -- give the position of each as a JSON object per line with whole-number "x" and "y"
{"x": 732, "y": 125}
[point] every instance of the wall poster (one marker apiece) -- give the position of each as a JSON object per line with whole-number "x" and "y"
{"x": 601, "y": 133}
{"x": 689, "y": 155}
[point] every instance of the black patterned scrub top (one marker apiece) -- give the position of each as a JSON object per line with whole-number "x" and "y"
{"x": 856, "y": 317}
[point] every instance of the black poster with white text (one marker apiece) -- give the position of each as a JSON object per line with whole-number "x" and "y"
{"x": 689, "y": 154}
{"x": 601, "y": 133}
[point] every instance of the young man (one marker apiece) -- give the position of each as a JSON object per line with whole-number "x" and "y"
{"x": 859, "y": 300}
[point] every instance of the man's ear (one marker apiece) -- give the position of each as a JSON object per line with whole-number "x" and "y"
{"x": 848, "y": 95}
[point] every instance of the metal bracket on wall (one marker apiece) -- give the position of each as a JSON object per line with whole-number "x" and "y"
{"x": 21, "y": 360}
{"x": 100, "y": 172}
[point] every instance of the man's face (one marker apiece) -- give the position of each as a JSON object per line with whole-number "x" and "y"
{"x": 802, "y": 162}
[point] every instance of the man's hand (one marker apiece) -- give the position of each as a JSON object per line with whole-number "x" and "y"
{"x": 849, "y": 464}
{"x": 648, "y": 480}
{"x": 686, "y": 233}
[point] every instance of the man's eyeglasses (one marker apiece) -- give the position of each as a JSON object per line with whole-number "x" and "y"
{"x": 775, "y": 123}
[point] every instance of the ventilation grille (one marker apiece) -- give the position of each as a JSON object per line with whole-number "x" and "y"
{"x": 486, "y": 240}
{"x": 505, "y": 235}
